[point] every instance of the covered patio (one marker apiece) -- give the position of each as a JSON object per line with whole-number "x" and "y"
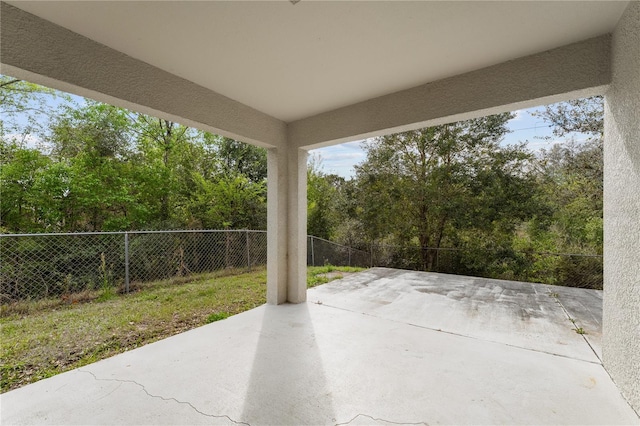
{"x": 293, "y": 76}
{"x": 383, "y": 347}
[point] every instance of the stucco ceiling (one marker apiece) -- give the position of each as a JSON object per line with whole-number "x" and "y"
{"x": 294, "y": 61}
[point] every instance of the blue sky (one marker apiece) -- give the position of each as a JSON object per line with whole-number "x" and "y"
{"x": 340, "y": 159}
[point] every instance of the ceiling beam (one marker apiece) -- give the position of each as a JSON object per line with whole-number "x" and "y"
{"x": 42, "y": 52}
{"x": 576, "y": 70}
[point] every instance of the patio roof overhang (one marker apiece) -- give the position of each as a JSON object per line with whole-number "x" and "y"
{"x": 290, "y": 77}
{"x": 275, "y": 74}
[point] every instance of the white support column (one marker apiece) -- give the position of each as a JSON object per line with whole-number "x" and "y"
{"x": 286, "y": 226}
{"x": 297, "y": 217}
{"x": 621, "y": 310}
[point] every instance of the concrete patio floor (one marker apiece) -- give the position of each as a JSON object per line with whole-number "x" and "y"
{"x": 379, "y": 347}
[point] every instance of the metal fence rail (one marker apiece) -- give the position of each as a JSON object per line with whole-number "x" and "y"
{"x": 34, "y": 266}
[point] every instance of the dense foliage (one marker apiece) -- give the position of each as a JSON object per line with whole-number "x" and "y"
{"x": 103, "y": 168}
{"x": 501, "y": 208}
{"x": 86, "y": 166}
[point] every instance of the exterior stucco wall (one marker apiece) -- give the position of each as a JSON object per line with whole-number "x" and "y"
{"x": 621, "y": 316}
{"x": 42, "y": 52}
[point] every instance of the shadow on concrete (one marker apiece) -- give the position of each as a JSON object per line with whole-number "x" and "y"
{"x": 287, "y": 382}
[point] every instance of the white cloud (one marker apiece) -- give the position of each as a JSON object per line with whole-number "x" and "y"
{"x": 340, "y": 159}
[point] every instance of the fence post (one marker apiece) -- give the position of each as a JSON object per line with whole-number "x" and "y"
{"x": 248, "y": 253}
{"x": 349, "y": 255}
{"x": 313, "y": 258}
{"x": 126, "y": 261}
{"x": 371, "y": 255}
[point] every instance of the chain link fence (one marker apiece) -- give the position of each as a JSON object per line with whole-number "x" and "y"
{"x": 322, "y": 252}
{"x": 35, "y": 266}
{"x": 564, "y": 269}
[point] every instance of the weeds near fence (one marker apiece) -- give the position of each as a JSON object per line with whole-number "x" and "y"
{"x": 28, "y": 307}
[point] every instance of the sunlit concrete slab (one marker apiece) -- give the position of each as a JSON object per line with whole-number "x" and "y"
{"x": 332, "y": 361}
{"x": 527, "y": 315}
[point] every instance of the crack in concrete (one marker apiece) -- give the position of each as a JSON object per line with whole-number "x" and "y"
{"x": 377, "y": 419}
{"x": 144, "y": 389}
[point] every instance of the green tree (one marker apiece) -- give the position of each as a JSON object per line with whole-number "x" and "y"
{"x": 231, "y": 202}
{"x": 160, "y": 142}
{"x": 89, "y": 185}
{"x": 322, "y": 215}
{"x": 20, "y": 169}
{"x": 426, "y": 185}
{"x": 234, "y": 157}
{"x": 96, "y": 129}
{"x": 571, "y": 182}
{"x": 571, "y": 178}
{"x": 570, "y": 202}
{"x": 106, "y": 168}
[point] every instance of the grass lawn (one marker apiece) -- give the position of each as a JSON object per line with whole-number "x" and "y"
{"x": 44, "y": 338}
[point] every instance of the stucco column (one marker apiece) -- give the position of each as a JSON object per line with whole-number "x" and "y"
{"x": 286, "y": 225}
{"x": 621, "y": 310}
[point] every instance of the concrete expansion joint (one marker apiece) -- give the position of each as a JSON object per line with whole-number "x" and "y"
{"x": 377, "y": 419}
{"x": 573, "y": 321}
{"x": 144, "y": 389}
